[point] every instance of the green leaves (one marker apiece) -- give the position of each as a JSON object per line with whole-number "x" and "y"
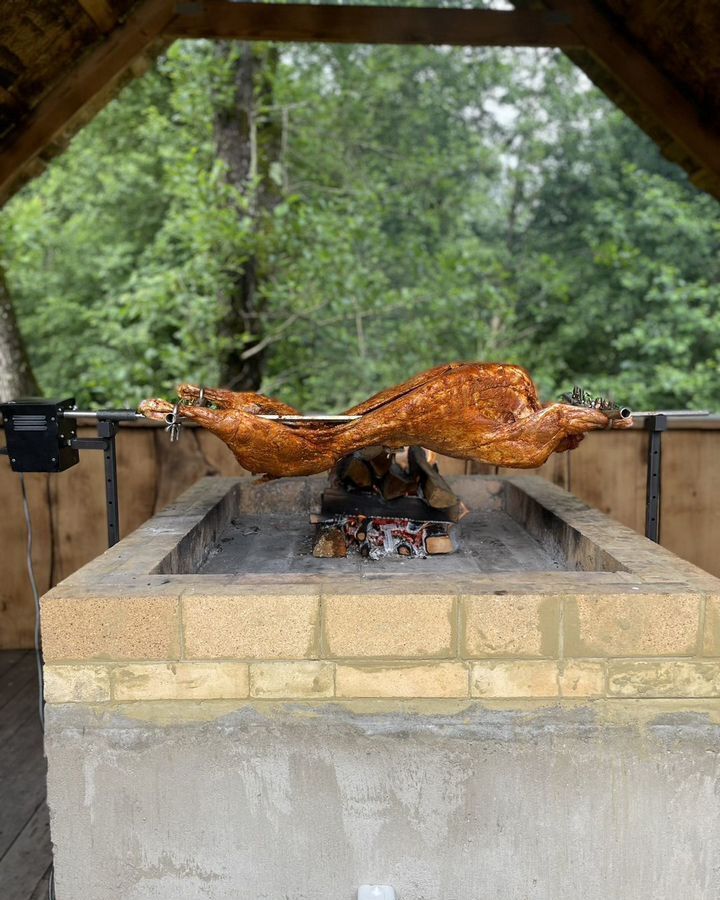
{"x": 433, "y": 204}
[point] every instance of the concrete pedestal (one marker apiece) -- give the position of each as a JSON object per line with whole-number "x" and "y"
{"x": 458, "y": 732}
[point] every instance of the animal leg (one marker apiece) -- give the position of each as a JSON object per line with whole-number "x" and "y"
{"x": 245, "y": 401}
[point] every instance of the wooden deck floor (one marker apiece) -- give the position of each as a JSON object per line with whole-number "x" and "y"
{"x": 25, "y": 853}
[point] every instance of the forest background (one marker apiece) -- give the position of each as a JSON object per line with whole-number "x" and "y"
{"x": 321, "y": 222}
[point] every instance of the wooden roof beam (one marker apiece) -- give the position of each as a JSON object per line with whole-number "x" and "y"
{"x": 93, "y": 74}
{"x": 641, "y": 79}
{"x": 305, "y": 22}
{"x": 101, "y": 12}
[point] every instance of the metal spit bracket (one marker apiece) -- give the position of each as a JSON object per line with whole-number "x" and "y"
{"x": 655, "y": 425}
{"x": 41, "y": 436}
{"x": 105, "y": 441}
{"x": 656, "y": 422}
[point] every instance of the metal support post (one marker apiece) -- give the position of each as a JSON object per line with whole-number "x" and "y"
{"x": 106, "y": 442}
{"x": 108, "y": 430}
{"x": 655, "y": 425}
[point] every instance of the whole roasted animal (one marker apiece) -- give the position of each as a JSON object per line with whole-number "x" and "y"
{"x": 488, "y": 412}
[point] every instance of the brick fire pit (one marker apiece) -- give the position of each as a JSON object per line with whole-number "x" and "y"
{"x": 535, "y": 716}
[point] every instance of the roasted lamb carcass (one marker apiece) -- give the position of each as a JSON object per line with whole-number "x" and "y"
{"x": 483, "y": 411}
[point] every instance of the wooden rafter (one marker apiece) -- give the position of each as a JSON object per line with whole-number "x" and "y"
{"x": 305, "y": 22}
{"x": 572, "y": 25}
{"x": 101, "y": 12}
{"x": 9, "y": 100}
{"x": 642, "y": 80}
{"x": 94, "y": 73}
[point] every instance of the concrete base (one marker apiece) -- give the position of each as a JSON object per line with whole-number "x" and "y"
{"x": 546, "y": 732}
{"x": 292, "y": 802}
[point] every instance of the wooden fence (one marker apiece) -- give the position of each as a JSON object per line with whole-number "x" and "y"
{"x": 607, "y": 471}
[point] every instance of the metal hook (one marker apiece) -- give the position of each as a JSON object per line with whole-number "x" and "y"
{"x": 173, "y": 423}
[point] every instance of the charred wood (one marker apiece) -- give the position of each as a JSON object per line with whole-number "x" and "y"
{"x": 435, "y": 489}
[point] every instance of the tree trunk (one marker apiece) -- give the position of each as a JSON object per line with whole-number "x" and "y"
{"x": 16, "y": 375}
{"x": 249, "y": 140}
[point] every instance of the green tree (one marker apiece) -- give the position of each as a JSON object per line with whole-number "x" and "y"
{"x": 403, "y": 207}
{"x": 16, "y": 375}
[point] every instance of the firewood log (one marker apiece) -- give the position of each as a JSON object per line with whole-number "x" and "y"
{"x": 439, "y": 543}
{"x": 330, "y": 543}
{"x": 353, "y": 471}
{"x": 378, "y": 459}
{"x": 435, "y": 489}
{"x": 456, "y": 512}
{"x": 396, "y": 483}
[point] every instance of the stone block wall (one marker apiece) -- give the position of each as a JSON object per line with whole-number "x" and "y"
{"x": 302, "y": 641}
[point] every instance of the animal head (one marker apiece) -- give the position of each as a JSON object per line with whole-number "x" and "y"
{"x": 597, "y": 409}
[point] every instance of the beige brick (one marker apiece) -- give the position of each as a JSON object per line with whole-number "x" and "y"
{"x": 711, "y": 638}
{"x": 514, "y": 678}
{"x": 392, "y": 625}
{"x": 642, "y": 625}
{"x": 510, "y": 625}
{"x": 110, "y": 624}
{"x": 76, "y": 684}
{"x": 181, "y": 681}
{"x": 444, "y": 679}
{"x": 292, "y": 680}
{"x": 663, "y": 678}
{"x": 273, "y": 625}
{"x": 582, "y": 678}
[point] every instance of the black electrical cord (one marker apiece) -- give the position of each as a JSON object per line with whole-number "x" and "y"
{"x": 38, "y": 644}
{"x": 36, "y": 598}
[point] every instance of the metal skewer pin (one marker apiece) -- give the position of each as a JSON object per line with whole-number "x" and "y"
{"x": 174, "y": 421}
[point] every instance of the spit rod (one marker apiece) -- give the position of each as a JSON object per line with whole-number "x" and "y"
{"x": 674, "y": 413}
{"x": 129, "y": 415}
{"x": 319, "y": 418}
{"x": 109, "y": 415}
{"x": 121, "y": 415}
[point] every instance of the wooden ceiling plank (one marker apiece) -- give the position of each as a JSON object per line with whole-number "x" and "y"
{"x": 9, "y": 101}
{"x": 101, "y": 12}
{"x": 643, "y": 81}
{"x": 94, "y": 73}
{"x": 304, "y": 22}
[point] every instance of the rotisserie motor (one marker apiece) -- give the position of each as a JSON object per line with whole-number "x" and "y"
{"x": 483, "y": 411}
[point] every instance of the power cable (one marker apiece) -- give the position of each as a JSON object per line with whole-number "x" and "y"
{"x": 36, "y": 598}
{"x": 38, "y": 643}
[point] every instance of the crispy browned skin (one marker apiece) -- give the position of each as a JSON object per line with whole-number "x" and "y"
{"x": 246, "y": 401}
{"x": 484, "y": 411}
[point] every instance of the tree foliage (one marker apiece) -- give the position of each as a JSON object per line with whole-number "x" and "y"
{"x": 430, "y": 205}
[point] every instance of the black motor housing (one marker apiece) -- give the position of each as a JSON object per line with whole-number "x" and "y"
{"x": 38, "y": 436}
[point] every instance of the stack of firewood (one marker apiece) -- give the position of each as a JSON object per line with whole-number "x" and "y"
{"x": 385, "y": 486}
{"x": 409, "y": 473}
